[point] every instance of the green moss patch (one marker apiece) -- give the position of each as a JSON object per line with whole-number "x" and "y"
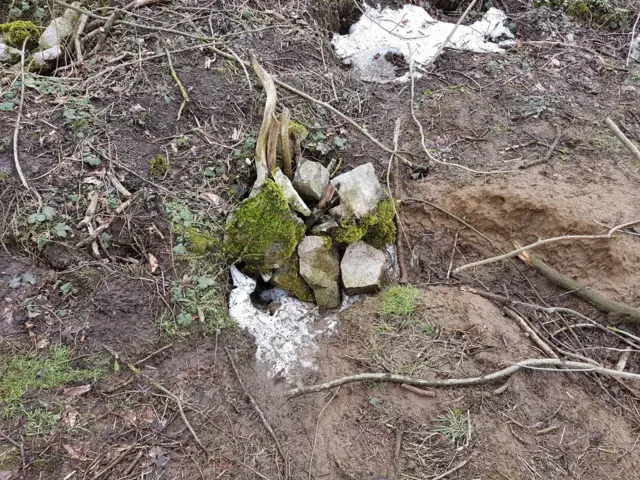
{"x": 23, "y": 373}
{"x": 15, "y": 33}
{"x": 377, "y": 229}
{"x": 289, "y": 279}
{"x": 263, "y": 232}
{"x": 159, "y": 166}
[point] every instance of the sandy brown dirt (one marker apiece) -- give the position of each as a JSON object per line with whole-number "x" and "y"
{"x": 486, "y": 112}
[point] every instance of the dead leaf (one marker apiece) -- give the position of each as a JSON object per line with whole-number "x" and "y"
{"x": 70, "y": 416}
{"x": 77, "y": 391}
{"x": 213, "y": 198}
{"x": 153, "y": 263}
{"x": 74, "y": 454}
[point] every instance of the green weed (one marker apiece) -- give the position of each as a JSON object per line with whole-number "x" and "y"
{"x": 40, "y": 421}
{"x": 456, "y": 426}
{"x": 399, "y": 302}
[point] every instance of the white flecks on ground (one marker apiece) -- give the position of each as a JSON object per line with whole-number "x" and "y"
{"x": 284, "y": 340}
{"x": 412, "y": 33}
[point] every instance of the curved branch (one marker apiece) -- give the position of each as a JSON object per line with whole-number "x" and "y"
{"x": 465, "y": 382}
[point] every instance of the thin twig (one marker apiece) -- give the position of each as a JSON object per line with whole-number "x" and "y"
{"x": 18, "y": 119}
{"x": 454, "y": 469}
{"x": 623, "y": 138}
{"x": 448, "y": 39}
{"x": 540, "y": 243}
{"x": 418, "y": 391}
{"x": 533, "y": 336}
{"x": 543, "y": 364}
{"x": 76, "y": 37}
{"x": 633, "y": 35}
{"x": 244, "y": 68}
{"x": 151, "y": 355}
{"x": 315, "y": 436}
{"x": 118, "y": 186}
{"x": 550, "y": 151}
{"x": 183, "y": 91}
{"x": 258, "y": 410}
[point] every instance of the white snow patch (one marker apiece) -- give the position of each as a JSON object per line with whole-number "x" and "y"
{"x": 285, "y": 339}
{"x": 413, "y": 33}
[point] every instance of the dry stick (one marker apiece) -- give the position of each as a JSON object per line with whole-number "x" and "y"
{"x": 623, "y": 138}
{"x": 453, "y": 30}
{"x": 622, "y": 361}
{"x": 418, "y": 391}
{"x": 550, "y": 151}
{"x": 151, "y": 355}
{"x": 272, "y": 143}
{"x": 91, "y": 209}
{"x": 533, "y": 336}
{"x": 183, "y": 91}
{"x": 633, "y": 34}
{"x": 18, "y": 118}
{"x": 82, "y": 23}
{"x": 544, "y": 364}
{"x": 455, "y": 469}
{"x": 617, "y": 311}
{"x": 244, "y": 68}
{"x": 258, "y": 410}
{"x": 399, "y": 226}
{"x": 315, "y": 436}
{"x": 262, "y": 171}
{"x": 118, "y": 186}
{"x": 552, "y": 310}
{"x": 285, "y": 118}
{"x": 540, "y": 243}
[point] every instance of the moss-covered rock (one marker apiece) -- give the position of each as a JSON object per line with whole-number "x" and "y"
{"x": 289, "y": 279}
{"x": 377, "y": 229}
{"x": 15, "y": 33}
{"x": 320, "y": 268}
{"x": 263, "y": 232}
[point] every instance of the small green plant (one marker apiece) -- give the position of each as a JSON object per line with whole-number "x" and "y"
{"x": 399, "y": 301}
{"x": 66, "y": 289}
{"x": 40, "y": 421}
{"x": 46, "y": 214}
{"x": 536, "y": 106}
{"x": 456, "y": 426}
{"x": 248, "y": 146}
{"x": 22, "y": 373}
{"x": 159, "y": 165}
{"x": 78, "y": 114}
{"x": 20, "y": 280}
{"x": 197, "y": 234}
{"x": 606, "y": 142}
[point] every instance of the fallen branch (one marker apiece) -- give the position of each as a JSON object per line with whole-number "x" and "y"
{"x": 183, "y": 91}
{"x": 540, "y": 243}
{"x": 258, "y": 410}
{"x": 623, "y": 138}
{"x": 616, "y": 311}
{"x": 285, "y": 119}
{"x": 532, "y": 363}
{"x": 261, "y": 161}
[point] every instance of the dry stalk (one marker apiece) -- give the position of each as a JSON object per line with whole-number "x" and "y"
{"x": 623, "y": 138}
{"x": 118, "y": 186}
{"x": 285, "y": 119}
{"x": 543, "y": 364}
{"x": 633, "y": 36}
{"x": 183, "y": 91}
{"x": 82, "y": 23}
{"x": 533, "y": 336}
{"x": 272, "y": 143}
{"x": 540, "y": 243}
{"x": 261, "y": 161}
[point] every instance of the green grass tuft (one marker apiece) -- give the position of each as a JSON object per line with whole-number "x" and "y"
{"x": 399, "y": 302}
{"x": 456, "y": 426}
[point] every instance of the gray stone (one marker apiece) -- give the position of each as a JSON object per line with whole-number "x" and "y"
{"x": 311, "y": 180}
{"x": 60, "y": 29}
{"x": 362, "y": 268}
{"x": 293, "y": 199}
{"x": 359, "y": 191}
{"x": 320, "y": 268}
{"x": 40, "y": 59}
{"x": 9, "y": 54}
{"x": 325, "y": 228}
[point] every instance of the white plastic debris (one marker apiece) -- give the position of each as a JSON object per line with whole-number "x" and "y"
{"x": 284, "y": 340}
{"x": 412, "y": 33}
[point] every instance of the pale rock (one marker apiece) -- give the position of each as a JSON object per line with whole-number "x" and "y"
{"x": 359, "y": 191}
{"x": 320, "y": 268}
{"x": 293, "y": 198}
{"x": 44, "y": 56}
{"x": 362, "y": 268}
{"x": 9, "y": 54}
{"x": 325, "y": 228}
{"x": 59, "y": 29}
{"x": 311, "y": 180}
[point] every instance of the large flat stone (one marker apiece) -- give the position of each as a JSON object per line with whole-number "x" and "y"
{"x": 359, "y": 191}
{"x": 311, "y": 180}
{"x": 362, "y": 268}
{"x": 320, "y": 268}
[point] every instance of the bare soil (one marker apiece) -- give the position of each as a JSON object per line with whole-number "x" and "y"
{"x": 486, "y": 112}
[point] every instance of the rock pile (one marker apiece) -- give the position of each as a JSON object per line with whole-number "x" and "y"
{"x": 42, "y": 50}
{"x": 312, "y": 235}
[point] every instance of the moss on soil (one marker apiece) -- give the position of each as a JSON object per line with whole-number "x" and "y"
{"x": 15, "y": 33}
{"x": 377, "y": 229}
{"x": 159, "y": 166}
{"x": 263, "y": 232}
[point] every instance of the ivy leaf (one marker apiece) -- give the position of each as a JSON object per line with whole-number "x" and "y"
{"x": 48, "y": 212}
{"x": 15, "y": 282}
{"x": 7, "y": 106}
{"x": 205, "y": 282}
{"x": 339, "y": 142}
{"x": 33, "y": 218}
{"x": 66, "y": 288}
{"x": 61, "y": 230}
{"x": 184, "y": 319}
{"x": 28, "y": 278}
{"x": 180, "y": 249}
{"x": 91, "y": 159}
{"x": 40, "y": 217}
